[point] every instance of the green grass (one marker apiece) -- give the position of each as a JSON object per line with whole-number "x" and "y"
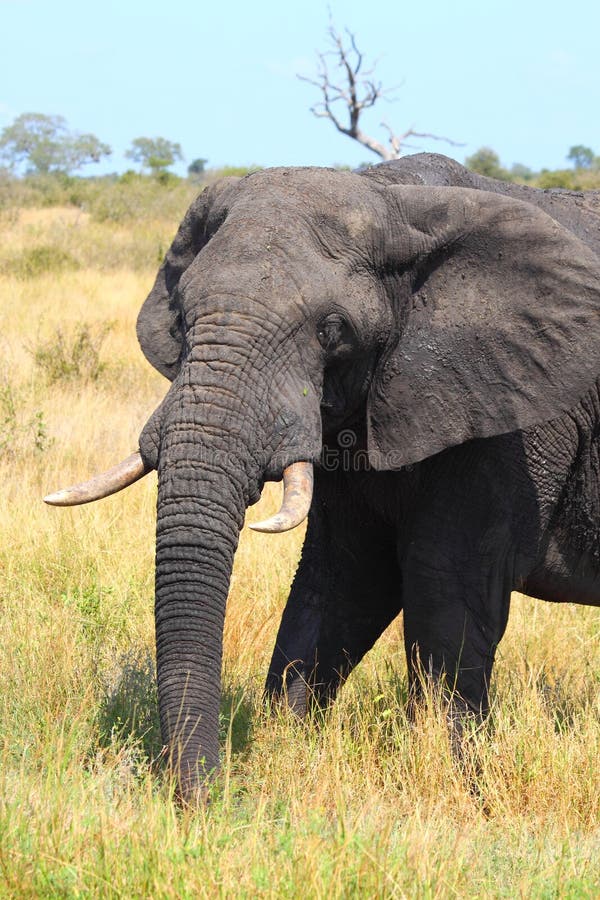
{"x": 362, "y": 804}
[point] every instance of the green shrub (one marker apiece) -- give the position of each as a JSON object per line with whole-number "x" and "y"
{"x": 130, "y": 176}
{"x": 109, "y": 198}
{"x": 76, "y": 356}
{"x": 240, "y": 171}
{"x": 134, "y": 198}
{"x": 19, "y": 433}
{"x": 38, "y": 190}
{"x": 41, "y": 260}
{"x": 561, "y": 178}
{"x": 486, "y": 161}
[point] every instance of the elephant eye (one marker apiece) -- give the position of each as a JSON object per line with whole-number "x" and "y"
{"x": 334, "y": 334}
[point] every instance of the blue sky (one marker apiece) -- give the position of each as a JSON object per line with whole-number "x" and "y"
{"x": 219, "y": 77}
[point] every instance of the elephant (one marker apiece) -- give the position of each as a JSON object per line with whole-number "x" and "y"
{"x": 415, "y": 350}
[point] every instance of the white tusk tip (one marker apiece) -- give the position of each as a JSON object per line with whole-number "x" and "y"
{"x": 274, "y": 525}
{"x": 59, "y": 498}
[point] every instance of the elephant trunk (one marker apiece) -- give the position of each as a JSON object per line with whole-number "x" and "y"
{"x": 212, "y": 451}
{"x": 200, "y": 514}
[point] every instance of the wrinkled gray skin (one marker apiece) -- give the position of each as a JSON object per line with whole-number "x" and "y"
{"x": 433, "y": 338}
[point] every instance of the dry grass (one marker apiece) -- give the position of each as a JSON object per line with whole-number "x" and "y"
{"x": 362, "y": 806}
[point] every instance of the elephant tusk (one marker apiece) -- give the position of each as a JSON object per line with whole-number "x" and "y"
{"x": 297, "y": 497}
{"x": 103, "y": 485}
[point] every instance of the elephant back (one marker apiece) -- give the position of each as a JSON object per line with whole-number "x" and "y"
{"x": 578, "y": 211}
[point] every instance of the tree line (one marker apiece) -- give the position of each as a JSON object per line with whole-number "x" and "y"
{"x": 39, "y": 144}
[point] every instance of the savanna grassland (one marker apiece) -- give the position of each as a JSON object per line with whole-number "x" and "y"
{"x": 360, "y": 805}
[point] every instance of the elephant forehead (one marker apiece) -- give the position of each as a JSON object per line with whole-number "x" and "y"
{"x": 324, "y": 195}
{"x": 303, "y": 178}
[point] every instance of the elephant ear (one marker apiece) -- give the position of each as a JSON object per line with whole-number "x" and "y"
{"x": 497, "y": 322}
{"x": 159, "y": 324}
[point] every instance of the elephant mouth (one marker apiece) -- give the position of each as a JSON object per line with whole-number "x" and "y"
{"x": 297, "y": 491}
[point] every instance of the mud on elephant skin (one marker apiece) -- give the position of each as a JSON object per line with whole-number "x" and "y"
{"x": 448, "y": 324}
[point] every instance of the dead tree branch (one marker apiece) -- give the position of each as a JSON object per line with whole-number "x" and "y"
{"x": 356, "y": 90}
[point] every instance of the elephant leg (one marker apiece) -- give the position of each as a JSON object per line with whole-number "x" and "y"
{"x": 346, "y": 592}
{"x": 475, "y": 534}
{"x": 454, "y": 618}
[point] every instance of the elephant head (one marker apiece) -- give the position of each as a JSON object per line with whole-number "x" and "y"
{"x": 297, "y": 302}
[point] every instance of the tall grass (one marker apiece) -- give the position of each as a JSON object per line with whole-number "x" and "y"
{"x": 360, "y": 805}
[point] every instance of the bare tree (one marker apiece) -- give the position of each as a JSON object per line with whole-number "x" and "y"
{"x": 356, "y": 90}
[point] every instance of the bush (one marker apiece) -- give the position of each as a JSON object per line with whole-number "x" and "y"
{"x": 110, "y": 198}
{"x": 239, "y": 171}
{"x": 137, "y": 197}
{"x": 40, "y": 260}
{"x": 18, "y": 432}
{"x": 39, "y": 190}
{"x": 73, "y": 357}
{"x": 561, "y": 178}
{"x": 486, "y": 161}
